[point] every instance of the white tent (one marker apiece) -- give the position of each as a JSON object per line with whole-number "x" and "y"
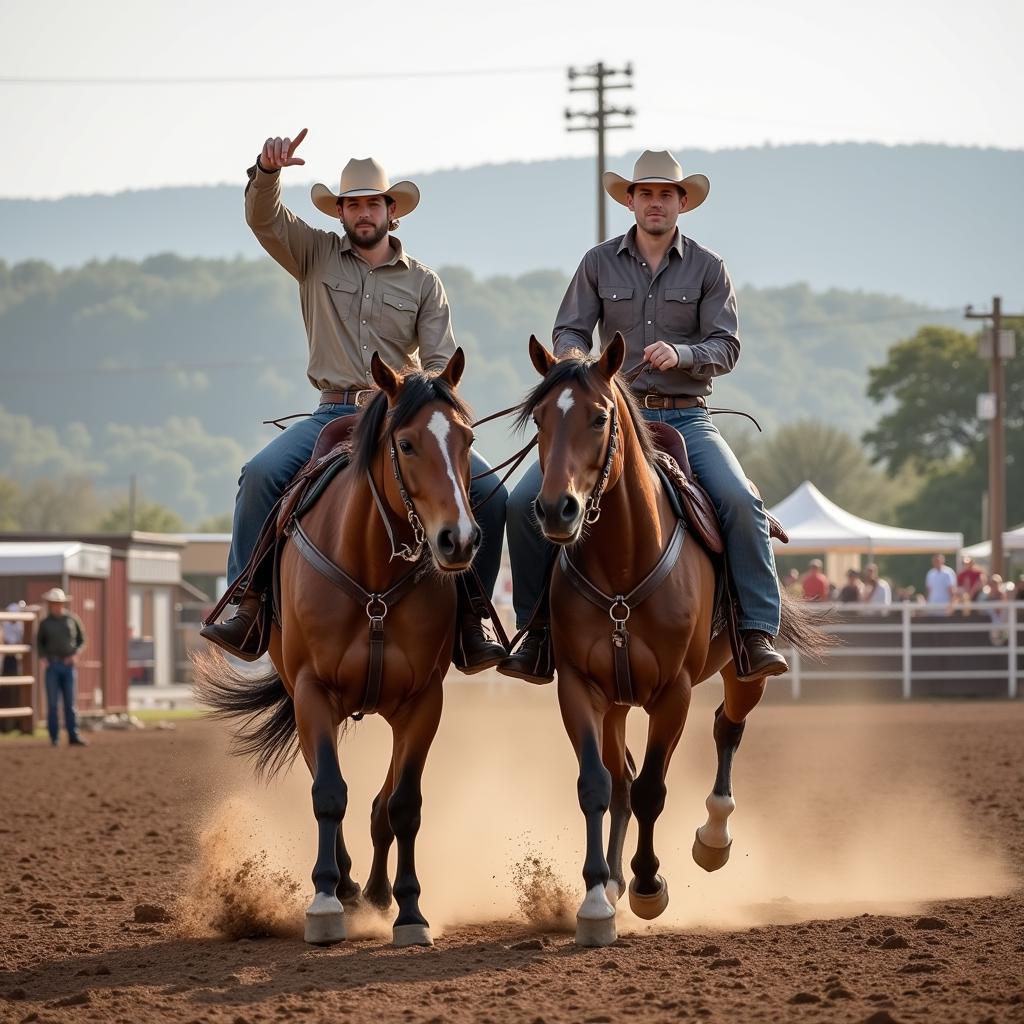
{"x": 1013, "y": 540}
{"x": 815, "y": 524}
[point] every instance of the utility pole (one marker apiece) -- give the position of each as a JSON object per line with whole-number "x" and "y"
{"x": 997, "y": 345}
{"x": 601, "y": 79}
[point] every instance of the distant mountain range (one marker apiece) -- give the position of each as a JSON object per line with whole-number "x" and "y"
{"x": 934, "y": 224}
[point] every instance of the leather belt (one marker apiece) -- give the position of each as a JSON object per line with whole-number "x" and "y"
{"x": 655, "y": 400}
{"x": 352, "y": 397}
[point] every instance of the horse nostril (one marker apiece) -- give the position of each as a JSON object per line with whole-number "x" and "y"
{"x": 538, "y": 508}
{"x": 477, "y": 537}
{"x": 446, "y": 542}
{"x": 570, "y": 509}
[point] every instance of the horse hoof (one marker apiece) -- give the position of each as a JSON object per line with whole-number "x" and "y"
{"x": 325, "y": 921}
{"x": 710, "y": 858}
{"x": 411, "y": 935}
{"x": 595, "y": 932}
{"x": 648, "y": 907}
{"x": 354, "y": 904}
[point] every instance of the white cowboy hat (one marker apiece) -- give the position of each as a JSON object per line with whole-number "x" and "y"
{"x": 658, "y": 166}
{"x": 365, "y": 178}
{"x": 55, "y": 596}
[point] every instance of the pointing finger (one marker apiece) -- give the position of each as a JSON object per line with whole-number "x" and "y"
{"x": 298, "y": 139}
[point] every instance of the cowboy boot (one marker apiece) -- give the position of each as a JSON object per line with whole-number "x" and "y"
{"x": 533, "y": 660}
{"x": 241, "y": 635}
{"x": 476, "y": 651}
{"x": 759, "y": 659}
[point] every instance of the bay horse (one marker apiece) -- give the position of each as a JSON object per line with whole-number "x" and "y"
{"x": 361, "y": 632}
{"x": 623, "y": 558}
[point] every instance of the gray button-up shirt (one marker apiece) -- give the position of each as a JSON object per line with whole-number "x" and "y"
{"x": 689, "y": 303}
{"x": 351, "y": 310}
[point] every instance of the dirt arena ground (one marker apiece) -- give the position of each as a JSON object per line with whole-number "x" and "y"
{"x": 876, "y": 876}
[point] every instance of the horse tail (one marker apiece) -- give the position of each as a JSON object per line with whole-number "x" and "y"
{"x": 801, "y": 628}
{"x": 265, "y": 730}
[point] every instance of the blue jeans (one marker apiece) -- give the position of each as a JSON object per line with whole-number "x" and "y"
{"x": 267, "y": 474}
{"x": 745, "y": 529}
{"x": 60, "y": 684}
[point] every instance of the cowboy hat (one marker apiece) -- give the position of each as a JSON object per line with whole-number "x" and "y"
{"x": 55, "y": 596}
{"x": 658, "y": 165}
{"x": 365, "y": 178}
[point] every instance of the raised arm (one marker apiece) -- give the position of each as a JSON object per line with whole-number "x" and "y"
{"x": 287, "y": 239}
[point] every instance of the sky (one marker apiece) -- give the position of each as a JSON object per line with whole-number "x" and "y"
{"x": 717, "y": 75}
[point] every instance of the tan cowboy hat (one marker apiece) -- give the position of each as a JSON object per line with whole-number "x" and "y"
{"x": 365, "y": 178}
{"x": 658, "y": 165}
{"x": 55, "y": 596}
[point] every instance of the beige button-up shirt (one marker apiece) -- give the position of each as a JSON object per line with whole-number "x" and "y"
{"x": 688, "y": 303}
{"x": 351, "y": 310}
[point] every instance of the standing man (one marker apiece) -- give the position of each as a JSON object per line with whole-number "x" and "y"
{"x": 58, "y": 641}
{"x": 877, "y": 590}
{"x": 360, "y": 293}
{"x": 673, "y": 302}
{"x": 940, "y": 583}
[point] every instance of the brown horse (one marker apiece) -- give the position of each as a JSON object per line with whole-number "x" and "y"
{"x": 361, "y": 632}
{"x": 631, "y": 614}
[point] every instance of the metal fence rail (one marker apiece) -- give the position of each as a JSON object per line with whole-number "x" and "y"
{"x": 906, "y": 642}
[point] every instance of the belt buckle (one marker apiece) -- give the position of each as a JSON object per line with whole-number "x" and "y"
{"x": 361, "y": 396}
{"x": 648, "y": 395}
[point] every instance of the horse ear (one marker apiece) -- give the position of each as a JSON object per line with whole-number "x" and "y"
{"x": 612, "y": 357}
{"x": 452, "y": 373}
{"x": 541, "y": 358}
{"x": 385, "y": 378}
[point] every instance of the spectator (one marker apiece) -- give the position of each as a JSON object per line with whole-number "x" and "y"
{"x": 14, "y": 633}
{"x": 994, "y": 592}
{"x": 969, "y": 580}
{"x": 876, "y": 589}
{"x": 59, "y": 640}
{"x": 792, "y": 585}
{"x": 940, "y": 583}
{"x": 852, "y": 592}
{"x": 816, "y": 586}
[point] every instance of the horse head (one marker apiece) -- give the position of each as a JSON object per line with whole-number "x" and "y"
{"x": 576, "y": 411}
{"x": 419, "y": 424}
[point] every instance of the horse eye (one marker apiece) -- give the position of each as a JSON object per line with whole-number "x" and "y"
{"x": 405, "y": 447}
{"x": 601, "y": 419}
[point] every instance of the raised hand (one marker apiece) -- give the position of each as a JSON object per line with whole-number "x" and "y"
{"x": 278, "y": 152}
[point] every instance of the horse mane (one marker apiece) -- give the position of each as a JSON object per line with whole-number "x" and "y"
{"x": 578, "y": 371}
{"x": 418, "y": 389}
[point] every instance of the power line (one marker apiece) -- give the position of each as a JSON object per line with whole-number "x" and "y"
{"x": 356, "y": 76}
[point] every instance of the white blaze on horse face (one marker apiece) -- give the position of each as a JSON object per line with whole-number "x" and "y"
{"x": 440, "y": 428}
{"x": 565, "y": 401}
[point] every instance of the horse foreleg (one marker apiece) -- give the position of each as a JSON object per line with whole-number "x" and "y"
{"x": 414, "y": 726}
{"x": 583, "y": 710}
{"x": 712, "y": 843}
{"x": 378, "y": 885}
{"x": 648, "y": 891}
{"x": 317, "y": 724}
{"x": 619, "y": 764}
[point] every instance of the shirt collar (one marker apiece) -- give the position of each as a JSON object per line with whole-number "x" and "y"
{"x": 628, "y": 243}
{"x": 397, "y": 252}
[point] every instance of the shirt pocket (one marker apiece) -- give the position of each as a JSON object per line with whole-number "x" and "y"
{"x": 617, "y": 308}
{"x": 340, "y": 293}
{"x": 679, "y": 311}
{"x": 398, "y": 317}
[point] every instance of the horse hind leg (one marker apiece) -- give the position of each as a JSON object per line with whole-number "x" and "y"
{"x": 619, "y": 762}
{"x": 377, "y": 891}
{"x": 648, "y": 891}
{"x": 712, "y": 842}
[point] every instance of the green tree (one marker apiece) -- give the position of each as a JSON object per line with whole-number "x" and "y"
{"x": 216, "y": 524}
{"x": 149, "y": 518}
{"x": 830, "y": 459}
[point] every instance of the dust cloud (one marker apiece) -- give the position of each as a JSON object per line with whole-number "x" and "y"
{"x": 834, "y": 818}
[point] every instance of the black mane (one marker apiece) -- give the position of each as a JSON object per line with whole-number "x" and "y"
{"x": 578, "y": 371}
{"x": 418, "y": 389}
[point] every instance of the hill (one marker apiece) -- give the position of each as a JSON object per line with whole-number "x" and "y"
{"x": 937, "y": 224}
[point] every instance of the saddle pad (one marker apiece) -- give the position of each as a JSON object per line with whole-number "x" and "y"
{"x": 339, "y": 460}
